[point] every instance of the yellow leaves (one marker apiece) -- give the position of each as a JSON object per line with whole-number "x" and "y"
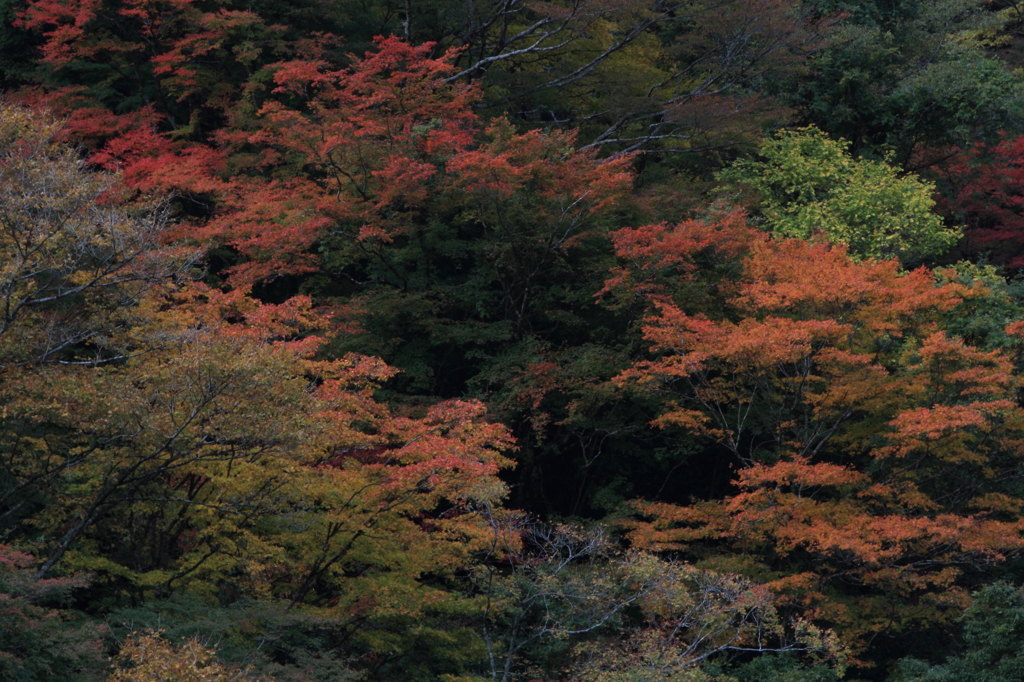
{"x": 998, "y": 503}
{"x": 67, "y": 241}
{"x": 25, "y": 129}
{"x": 796, "y": 582}
{"x": 694, "y": 421}
{"x": 220, "y": 431}
{"x": 675, "y": 526}
{"x": 148, "y": 657}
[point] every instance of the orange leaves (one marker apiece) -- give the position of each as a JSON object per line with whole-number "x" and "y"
{"x": 958, "y": 370}
{"x": 841, "y": 518}
{"x": 873, "y": 447}
{"x": 452, "y": 454}
{"x": 968, "y": 399}
{"x": 660, "y": 246}
{"x": 804, "y": 355}
{"x": 916, "y": 427}
{"x": 750, "y": 342}
{"x": 820, "y": 508}
{"x": 816, "y": 281}
{"x": 1015, "y": 328}
{"x": 736, "y": 375}
{"x": 662, "y": 249}
{"x": 799, "y": 474}
{"x": 454, "y": 428}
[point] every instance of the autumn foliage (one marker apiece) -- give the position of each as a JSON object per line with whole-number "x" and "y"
{"x": 870, "y": 448}
{"x": 449, "y": 341}
{"x": 198, "y": 426}
{"x": 981, "y": 188}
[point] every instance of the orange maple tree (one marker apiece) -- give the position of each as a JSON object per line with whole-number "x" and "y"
{"x": 875, "y": 457}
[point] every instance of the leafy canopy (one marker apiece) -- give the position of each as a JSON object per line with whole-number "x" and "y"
{"x": 811, "y": 188}
{"x": 873, "y": 454}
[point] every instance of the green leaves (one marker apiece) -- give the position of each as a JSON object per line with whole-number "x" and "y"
{"x": 993, "y": 632}
{"x": 810, "y": 188}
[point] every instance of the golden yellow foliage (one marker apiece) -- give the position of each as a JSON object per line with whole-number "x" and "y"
{"x": 148, "y": 657}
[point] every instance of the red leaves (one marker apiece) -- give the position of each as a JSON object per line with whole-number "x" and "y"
{"x": 67, "y": 21}
{"x": 386, "y": 94}
{"x": 182, "y": 58}
{"x": 361, "y": 153}
{"x": 373, "y": 149}
{"x": 544, "y": 162}
{"x": 984, "y": 187}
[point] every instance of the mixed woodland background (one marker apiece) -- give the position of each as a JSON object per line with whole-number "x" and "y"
{"x": 453, "y": 340}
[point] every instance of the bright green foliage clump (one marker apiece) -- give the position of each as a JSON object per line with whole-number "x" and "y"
{"x": 811, "y": 188}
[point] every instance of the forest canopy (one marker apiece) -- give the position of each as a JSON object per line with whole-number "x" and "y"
{"x": 583, "y": 340}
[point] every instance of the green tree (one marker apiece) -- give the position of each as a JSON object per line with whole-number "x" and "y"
{"x": 910, "y": 78}
{"x": 811, "y": 188}
{"x": 993, "y": 642}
